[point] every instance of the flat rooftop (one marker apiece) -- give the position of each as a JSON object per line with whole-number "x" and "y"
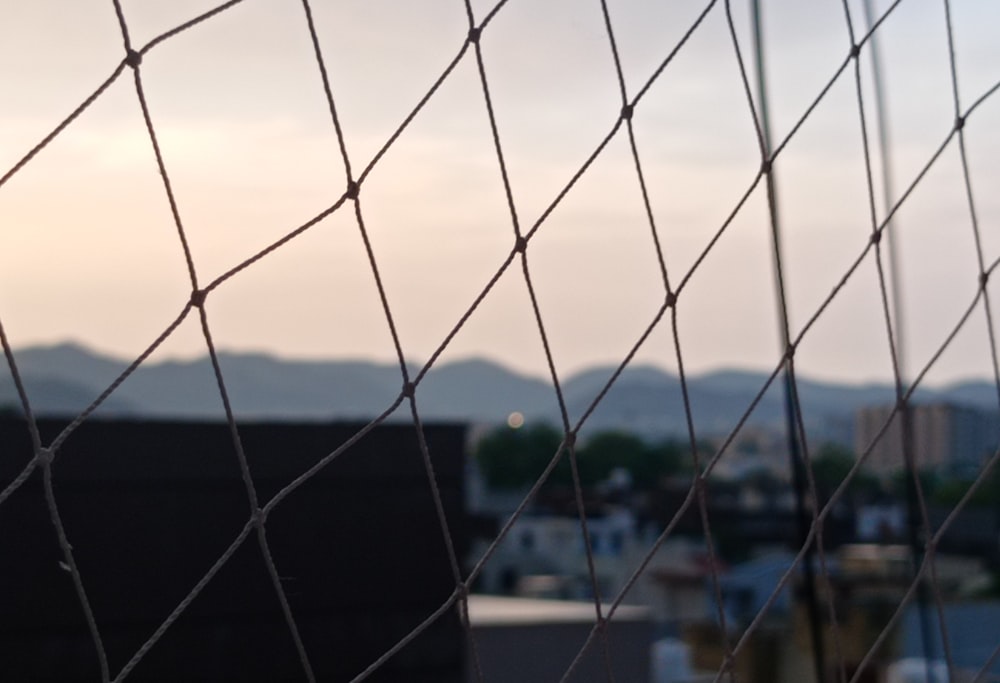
{"x": 493, "y": 610}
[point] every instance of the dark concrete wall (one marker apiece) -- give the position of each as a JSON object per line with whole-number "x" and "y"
{"x": 150, "y": 506}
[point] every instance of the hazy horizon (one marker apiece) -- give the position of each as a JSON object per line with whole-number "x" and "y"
{"x": 389, "y": 362}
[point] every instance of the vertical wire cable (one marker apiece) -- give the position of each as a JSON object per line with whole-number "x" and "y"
{"x": 896, "y": 319}
{"x": 888, "y": 187}
{"x": 791, "y": 406}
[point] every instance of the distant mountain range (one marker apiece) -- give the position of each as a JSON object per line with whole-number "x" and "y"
{"x": 65, "y": 378}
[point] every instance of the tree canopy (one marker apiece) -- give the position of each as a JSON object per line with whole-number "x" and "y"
{"x": 511, "y": 458}
{"x": 514, "y": 458}
{"x": 830, "y": 466}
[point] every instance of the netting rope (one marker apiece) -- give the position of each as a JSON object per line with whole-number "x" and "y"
{"x": 351, "y": 199}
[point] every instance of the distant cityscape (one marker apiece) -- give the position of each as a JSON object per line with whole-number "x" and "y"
{"x": 728, "y": 567}
{"x": 726, "y": 563}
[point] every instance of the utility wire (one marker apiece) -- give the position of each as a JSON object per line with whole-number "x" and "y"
{"x": 792, "y": 411}
{"x": 899, "y": 347}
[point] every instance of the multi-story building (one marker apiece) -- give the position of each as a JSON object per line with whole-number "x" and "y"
{"x": 944, "y": 436}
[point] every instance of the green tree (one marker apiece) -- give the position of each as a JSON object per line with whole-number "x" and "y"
{"x": 663, "y": 459}
{"x": 949, "y": 491}
{"x": 647, "y": 463}
{"x": 606, "y": 451}
{"x": 514, "y": 458}
{"x": 831, "y": 464}
{"x": 901, "y": 481}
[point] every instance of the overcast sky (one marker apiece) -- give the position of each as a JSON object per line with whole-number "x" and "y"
{"x": 88, "y": 251}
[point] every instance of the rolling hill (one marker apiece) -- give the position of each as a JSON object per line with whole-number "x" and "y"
{"x": 65, "y": 378}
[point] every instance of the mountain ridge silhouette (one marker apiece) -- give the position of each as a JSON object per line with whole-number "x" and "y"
{"x": 64, "y": 378}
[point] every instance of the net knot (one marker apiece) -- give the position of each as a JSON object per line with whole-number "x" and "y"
{"x": 627, "y": 111}
{"x": 520, "y": 244}
{"x": 474, "y": 34}
{"x": 133, "y": 58}
{"x": 671, "y": 300}
{"x": 765, "y": 166}
{"x": 409, "y": 390}
{"x": 959, "y": 122}
{"x": 45, "y": 456}
{"x": 877, "y": 237}
{"x": 258, "y": 518}
{"x": 198, "y": 298}
{"x": 353, "y": 189}
{"x": 570, "y": 439}
{"x": 855, "y": 51}
{"x": 984, "y": 278}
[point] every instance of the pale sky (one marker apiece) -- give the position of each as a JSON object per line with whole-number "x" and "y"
{"x": 88, "y": 251}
